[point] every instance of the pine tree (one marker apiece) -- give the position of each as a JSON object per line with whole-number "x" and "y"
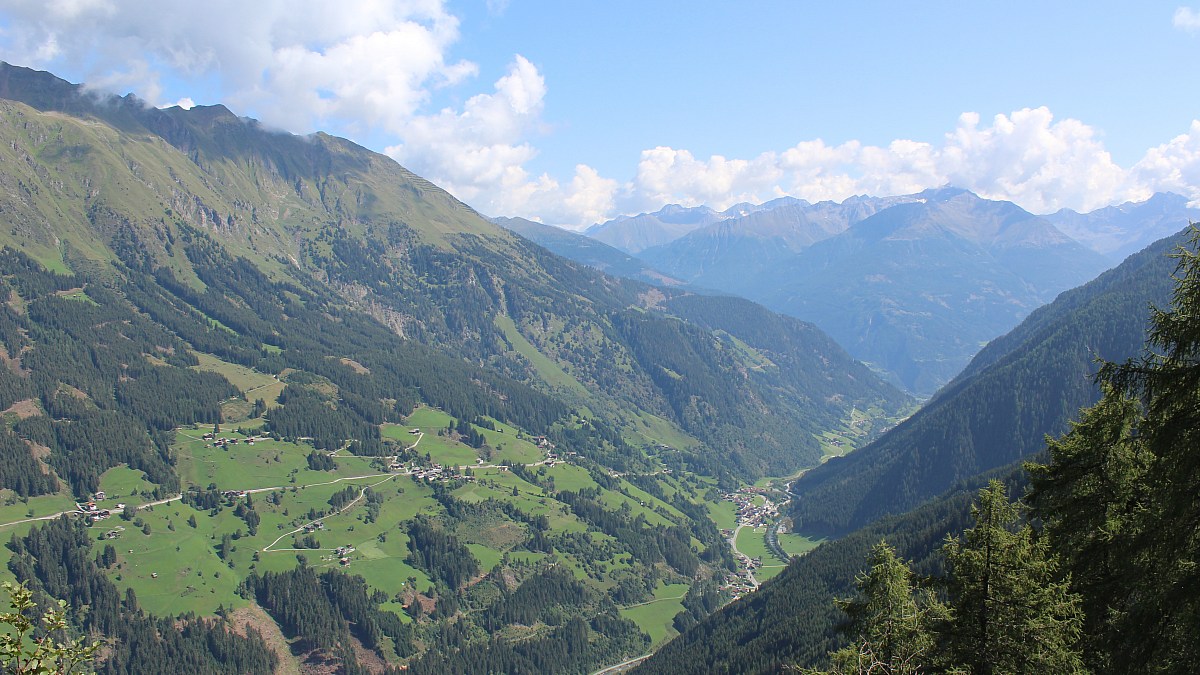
{"x": 890, "y": 624}
{"x": 1011, "y": 614}
{"x": 1091, "y": 497}
{"x": 1163, "y": 619}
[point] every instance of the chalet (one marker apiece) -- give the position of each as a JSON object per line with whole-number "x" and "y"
{"x": 99, "y": 495}
{"x": 414, "y": 432}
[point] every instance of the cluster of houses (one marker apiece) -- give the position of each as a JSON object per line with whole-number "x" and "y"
{"x": 343, "y": 554}
{"x": 233, "y": 494}
{"x": 314, "y": 526}
{"x": 222, "y": 441}
{"x": 436, "y": 473}
{"x": 750, "y": 513}
{"x": 739, "y": 584}
{"x": 93, "y": 512}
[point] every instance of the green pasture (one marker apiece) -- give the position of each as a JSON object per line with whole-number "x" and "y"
{"x": 267, "y": 463}
{"x": 33, "y": 507}
{"x": 798, "y": 544}
{"x": 569, "y": 477}
{"x": 654, "y": 617}
{"x": 125, "y": 484}
{"x": 427, "y": 419}
{"x": 252, "y": 384}
{"x": 752, "y": 542}
{"x": 723, "y": 514}
{"x": 769, "y": 571}
{"x": 190, "y": 575}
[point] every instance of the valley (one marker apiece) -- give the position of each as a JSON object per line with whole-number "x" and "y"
{"x": 276, "y": 404}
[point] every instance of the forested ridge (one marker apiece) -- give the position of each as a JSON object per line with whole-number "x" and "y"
{"x": 1021, "y": 387}
{"x": 213, "y": 303}
{"x": 1086, "y": 571}
{"x": 330, "y": 219}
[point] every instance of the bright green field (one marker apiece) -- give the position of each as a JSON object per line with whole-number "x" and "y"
{"x": 121, "y": 482}
{"x": 769, "y": 571}
{"x": 42, "y": 505}
{"x": 267, "y": 463}
{"x": 752, "y": 542}
{"x": 654, "y": 617}
{"x": 569, "y": 477}
{"x": 798, "y": 544}
{"x": 724, "y": 514}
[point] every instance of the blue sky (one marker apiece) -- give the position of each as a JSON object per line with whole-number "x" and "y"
{"x": 574, "y": 112}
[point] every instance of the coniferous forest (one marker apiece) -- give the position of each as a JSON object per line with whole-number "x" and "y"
{"x": 277, "y": 404}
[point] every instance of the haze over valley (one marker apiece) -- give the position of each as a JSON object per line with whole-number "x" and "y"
{"x": 485, "y": 337}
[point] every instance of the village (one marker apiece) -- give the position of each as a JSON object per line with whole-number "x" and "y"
{"x": 754, "y": 509}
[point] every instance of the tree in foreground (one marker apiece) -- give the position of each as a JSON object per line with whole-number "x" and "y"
{"x": 21, "y": 653}
{"x": 1091, "y": 498}
{"x": 890, "y": 621}
{"x": 1121, "y": 495}
{"x": 1011, "y": 612}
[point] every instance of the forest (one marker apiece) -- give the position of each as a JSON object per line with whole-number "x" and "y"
{"x": 1074, "y": 562}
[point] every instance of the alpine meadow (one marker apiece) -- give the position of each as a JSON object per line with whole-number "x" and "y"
{"x": 277, "y": 401}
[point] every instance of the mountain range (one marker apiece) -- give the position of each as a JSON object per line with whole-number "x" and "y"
{"x": 262, "y": 344}
{"x": 914, "y": 285}
{"x": 914, "y": 485}
{"x": 277, "y": 403}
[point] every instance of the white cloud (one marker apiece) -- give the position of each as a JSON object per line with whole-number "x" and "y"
{"x": 186, "y": 103}
{"x": 479, "y": 150}
{"x": 355, "y": 65}
{"x": 1186, "y": 18}
{"x": 1026, "y": 157}
{"x": 371, "y": 69}
{"x": 1173, "y": 166}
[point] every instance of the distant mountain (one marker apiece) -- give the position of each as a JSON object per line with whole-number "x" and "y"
{"x": 632, "y": 234}
{"x": 736, "y": 254}
{"x": 590, "y": 252}
{"x": 1118, "y": 231}
{"x": 913, "y": 285}
{"x": 1021, "y": 387}
{"x": 918, "y": 288}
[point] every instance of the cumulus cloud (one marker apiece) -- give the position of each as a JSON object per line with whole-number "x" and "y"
{"x": 1186, "y": 18}
{"x": 1027, "y": 157}
{"x": 371, "y": 69}
{"x": 297, "y": 64}
{"x": 1173, "y": 166}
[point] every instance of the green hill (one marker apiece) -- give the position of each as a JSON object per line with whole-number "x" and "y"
{"x": 1021, "y": 387}
{"x": 286, "y": 356}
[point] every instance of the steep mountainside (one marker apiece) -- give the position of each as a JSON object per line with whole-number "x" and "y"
{"x": 388, "y": 243}
{"x": 1119, "y": 231}
{"x": 1021, "y": 387}
{"x": 284, "y": 364}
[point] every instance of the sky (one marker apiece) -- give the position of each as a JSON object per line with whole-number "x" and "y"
{"x": 572, "y": 113}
